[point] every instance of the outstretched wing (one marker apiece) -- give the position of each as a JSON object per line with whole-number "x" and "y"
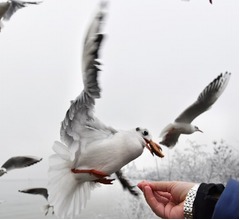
{"x": 14, "y": 5}
{"x": 79, "y": 121}
{"x": 20, "y": 162}
{"x": 206, "y": 99}
{"x": 125, "y": 183}
{"x": 36, "y": 191}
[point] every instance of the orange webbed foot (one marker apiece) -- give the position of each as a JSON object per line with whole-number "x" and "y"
{"x": 97, "y": 173}
{"x": 104, "y": 181}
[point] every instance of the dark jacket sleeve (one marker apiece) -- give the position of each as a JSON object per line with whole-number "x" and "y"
{"x": 227, "y": 206}
{"x": 206, "y": 199}
{"x": 217, "y": 201}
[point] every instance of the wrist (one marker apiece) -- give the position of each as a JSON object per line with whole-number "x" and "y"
{"x": 189, "y": 200}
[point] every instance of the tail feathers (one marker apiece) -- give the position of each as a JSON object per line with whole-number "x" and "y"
{"x": 67, "y": 194}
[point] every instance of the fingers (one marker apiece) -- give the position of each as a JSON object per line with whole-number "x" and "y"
{"x": 156, "y": 206}
{"x": 164, "y": 186}
{"x": 178, "y": 190}
{"x": 162, "y": 197}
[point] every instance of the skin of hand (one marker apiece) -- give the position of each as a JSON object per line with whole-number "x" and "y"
{"x": 166, "y": 199}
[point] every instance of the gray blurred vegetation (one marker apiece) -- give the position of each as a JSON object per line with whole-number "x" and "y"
{"x": 216, "y": 163}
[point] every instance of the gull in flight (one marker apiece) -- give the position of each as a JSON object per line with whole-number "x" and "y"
{"x": 90, "y": 151}
{"x": 39, "y": 191}
{"x": 182, "y": 124}
{"x": 7, "y": 9}
{"x": 18, "y": 162}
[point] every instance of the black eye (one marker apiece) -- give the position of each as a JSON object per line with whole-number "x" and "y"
{"x": 145, "y": 133}
{"x": 137, "y": 129}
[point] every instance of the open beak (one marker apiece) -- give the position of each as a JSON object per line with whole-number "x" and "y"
{"x": 154, "y": 148}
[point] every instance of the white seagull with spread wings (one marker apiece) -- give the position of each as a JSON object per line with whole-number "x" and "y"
{"x": 90, "y": 151}
{"x": 182, "y": 124}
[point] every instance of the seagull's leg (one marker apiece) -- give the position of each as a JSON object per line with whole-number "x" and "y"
{"x": 97, "y": 173}
{"x": 104, "y": 181}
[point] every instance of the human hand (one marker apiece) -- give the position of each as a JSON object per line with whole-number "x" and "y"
{"x": 166, "y": 199}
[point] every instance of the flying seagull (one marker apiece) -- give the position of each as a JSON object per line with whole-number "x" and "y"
{"x": 8, "y": 8}
{"x": 18, "y": 162}
{"x": 39, "y": 191}
{"x": 90, "y": 151}
{"x": 182, "y": 124}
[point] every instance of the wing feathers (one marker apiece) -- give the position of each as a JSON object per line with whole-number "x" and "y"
{"x": 80, "y": 112}
{"x": 20, "y": 162}
{"x": 36, "y": 191}
{"x": 206, "y": 99}
{"x": 14, "y": 5}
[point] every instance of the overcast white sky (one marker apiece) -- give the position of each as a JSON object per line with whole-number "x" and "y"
{"x": 158, "y": 56}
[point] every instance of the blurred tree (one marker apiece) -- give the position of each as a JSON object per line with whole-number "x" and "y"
{"x": 196, "y": 163}
{"x": 224, "y": 163}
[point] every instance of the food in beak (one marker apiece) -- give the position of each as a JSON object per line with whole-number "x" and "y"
{"x": 154, "y": 148}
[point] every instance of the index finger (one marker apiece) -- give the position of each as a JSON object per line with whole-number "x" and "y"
{"x": 164, "y": 186}
{"x": 157, "y": 207}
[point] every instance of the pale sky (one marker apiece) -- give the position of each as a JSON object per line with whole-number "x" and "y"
{"x": 157, "y": 57}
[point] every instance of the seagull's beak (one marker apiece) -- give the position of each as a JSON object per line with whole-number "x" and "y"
{"x": 154, "y": 148}
{"x": 200, "y": 130}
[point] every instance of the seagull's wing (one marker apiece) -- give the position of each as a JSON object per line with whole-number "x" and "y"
{"x": 79, "y": 121}
{"x": 14, "y": 6}
{"x": 36, "y": 191}
{"x": 20, "y": 162}
{"x": 170, "y": 139}
{"x": 206, "y": 99}
{"x": 125, "y": 183}
{"x": 3, "y": 8}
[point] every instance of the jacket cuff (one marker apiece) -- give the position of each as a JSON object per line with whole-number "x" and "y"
{"x": 206, "y": 199}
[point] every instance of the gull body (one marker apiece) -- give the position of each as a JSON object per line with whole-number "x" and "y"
{"x": 8, "y": 8}
{"x": 182, "y": 124}
{"x": 89, "y": 151}
{"x": 18, "y": 162}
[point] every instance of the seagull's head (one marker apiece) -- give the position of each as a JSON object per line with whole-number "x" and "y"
{"x": 3, "y": 171}
{"x": 153, "y": 147}
{"x": 195, "y": 128}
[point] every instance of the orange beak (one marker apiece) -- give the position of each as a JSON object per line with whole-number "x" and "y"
{"x": 154, "y": 148}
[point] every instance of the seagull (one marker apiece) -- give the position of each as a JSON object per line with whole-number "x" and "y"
{"x": 39, "y": 191}
{"x": 90, "y": 151}
{"x": 18, "y": 162}
{"x": 182, "y": 124}
{"x": 7, "y": 9}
